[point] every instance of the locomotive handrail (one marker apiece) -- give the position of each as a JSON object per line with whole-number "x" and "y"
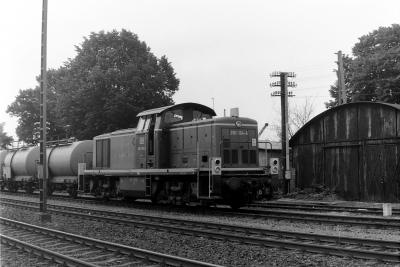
{"x": 140, "y": 172}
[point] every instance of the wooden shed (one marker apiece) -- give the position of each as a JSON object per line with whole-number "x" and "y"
{"x": 353, "y": 149}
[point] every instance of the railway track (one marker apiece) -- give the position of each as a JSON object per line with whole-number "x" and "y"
{"x": 318, "y": 207}
{"x": 265, "y": 213}
{"x": 388, "y": 251}
{"x": 73, "y": 250}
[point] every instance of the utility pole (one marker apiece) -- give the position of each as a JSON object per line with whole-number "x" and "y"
{"x": 342, "y": 96}
{"x": 42, "y": 168}
{"x": 284, "y": 94}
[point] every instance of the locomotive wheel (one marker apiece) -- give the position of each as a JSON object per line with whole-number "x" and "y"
{"x": 154, "y": 200}
{"x": 268, "y": 192}
{"x": 129, "y": 199}
{"x": 236, "y": 205}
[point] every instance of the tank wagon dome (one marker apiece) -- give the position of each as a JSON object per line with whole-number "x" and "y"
{"x": 63, "y": 159}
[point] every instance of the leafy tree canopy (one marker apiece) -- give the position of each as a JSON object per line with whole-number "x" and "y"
{"x": 112, "y": 78}
{"x": 5, "y": 140}
{"x": 373, "y": 74}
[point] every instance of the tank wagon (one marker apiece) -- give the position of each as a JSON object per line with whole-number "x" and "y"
{"x": 179, "y": 154}
{"x": 19, "y": 166}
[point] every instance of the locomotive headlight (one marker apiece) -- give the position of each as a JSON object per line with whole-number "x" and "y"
{"x": 274, "y": 163}
{"x": 238, "y": 124}
{"x": 216, "y": 167}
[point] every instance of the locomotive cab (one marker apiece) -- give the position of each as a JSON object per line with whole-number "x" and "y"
{"x": 153, "y": 135}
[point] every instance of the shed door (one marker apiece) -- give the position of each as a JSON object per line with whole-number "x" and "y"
{"x": 381, "y": 172}
{"x": 392, "y": 175}
{"x": 341, "y": 171}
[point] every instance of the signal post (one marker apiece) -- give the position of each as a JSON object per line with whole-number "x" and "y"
{"x": 283, "y": 83}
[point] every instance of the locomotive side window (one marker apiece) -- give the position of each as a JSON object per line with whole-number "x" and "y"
{"x": 103, "y": 153}
{"x": 253, "y": 157}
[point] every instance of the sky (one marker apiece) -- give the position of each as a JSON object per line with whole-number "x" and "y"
{"x": 222, "y": 50}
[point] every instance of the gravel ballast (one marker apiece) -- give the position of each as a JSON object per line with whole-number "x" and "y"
{"x": 198, "y": 248}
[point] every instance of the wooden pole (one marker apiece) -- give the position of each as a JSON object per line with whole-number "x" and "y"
{"x": 43, "y": 116}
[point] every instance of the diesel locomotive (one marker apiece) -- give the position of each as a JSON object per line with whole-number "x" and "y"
{"x": 177, "y": 154}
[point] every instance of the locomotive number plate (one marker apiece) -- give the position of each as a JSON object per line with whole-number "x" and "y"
{"x": 239, "y": 132}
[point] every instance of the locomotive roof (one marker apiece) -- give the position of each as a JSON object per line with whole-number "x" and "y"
{"x": 117, "y": 132}
{"x": 160, "y": 110}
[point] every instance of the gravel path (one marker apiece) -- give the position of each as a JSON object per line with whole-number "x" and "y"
{"x": 203, "y": 249}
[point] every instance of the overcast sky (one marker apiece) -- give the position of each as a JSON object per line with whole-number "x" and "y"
{"x": 219, "y": 49}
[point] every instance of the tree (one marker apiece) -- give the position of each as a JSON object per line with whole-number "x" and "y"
{"x": 334, "y": 90}
{"x": 376, "y": 66}
{"x": 26, "y": 108}
{"x": 373, "y": 74}
{"x": 112, "y": 78}
{"x": 299, "y": 115}
{"x": 5, "y": 140}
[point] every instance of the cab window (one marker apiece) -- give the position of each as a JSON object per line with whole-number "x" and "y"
{"x": 173, "y": 116}
{"x": 147, "y": 123}
{"x": 140, "y": 124}
{"x": 198, "y": 115}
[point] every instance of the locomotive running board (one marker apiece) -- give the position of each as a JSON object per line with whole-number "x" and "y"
{"x": 142, "y": 172}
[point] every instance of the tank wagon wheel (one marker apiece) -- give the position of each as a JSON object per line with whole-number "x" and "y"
{"x": 29, "y": 188}
{"x": 73, "y": 192}
{"x": 50, "y": 191}
{"x": 12, "y": 187}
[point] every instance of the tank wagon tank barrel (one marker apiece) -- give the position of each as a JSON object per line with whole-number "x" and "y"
{"x": 19, "y": 166}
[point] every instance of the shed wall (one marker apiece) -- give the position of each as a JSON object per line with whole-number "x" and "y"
{"x": 353, "y": 149}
